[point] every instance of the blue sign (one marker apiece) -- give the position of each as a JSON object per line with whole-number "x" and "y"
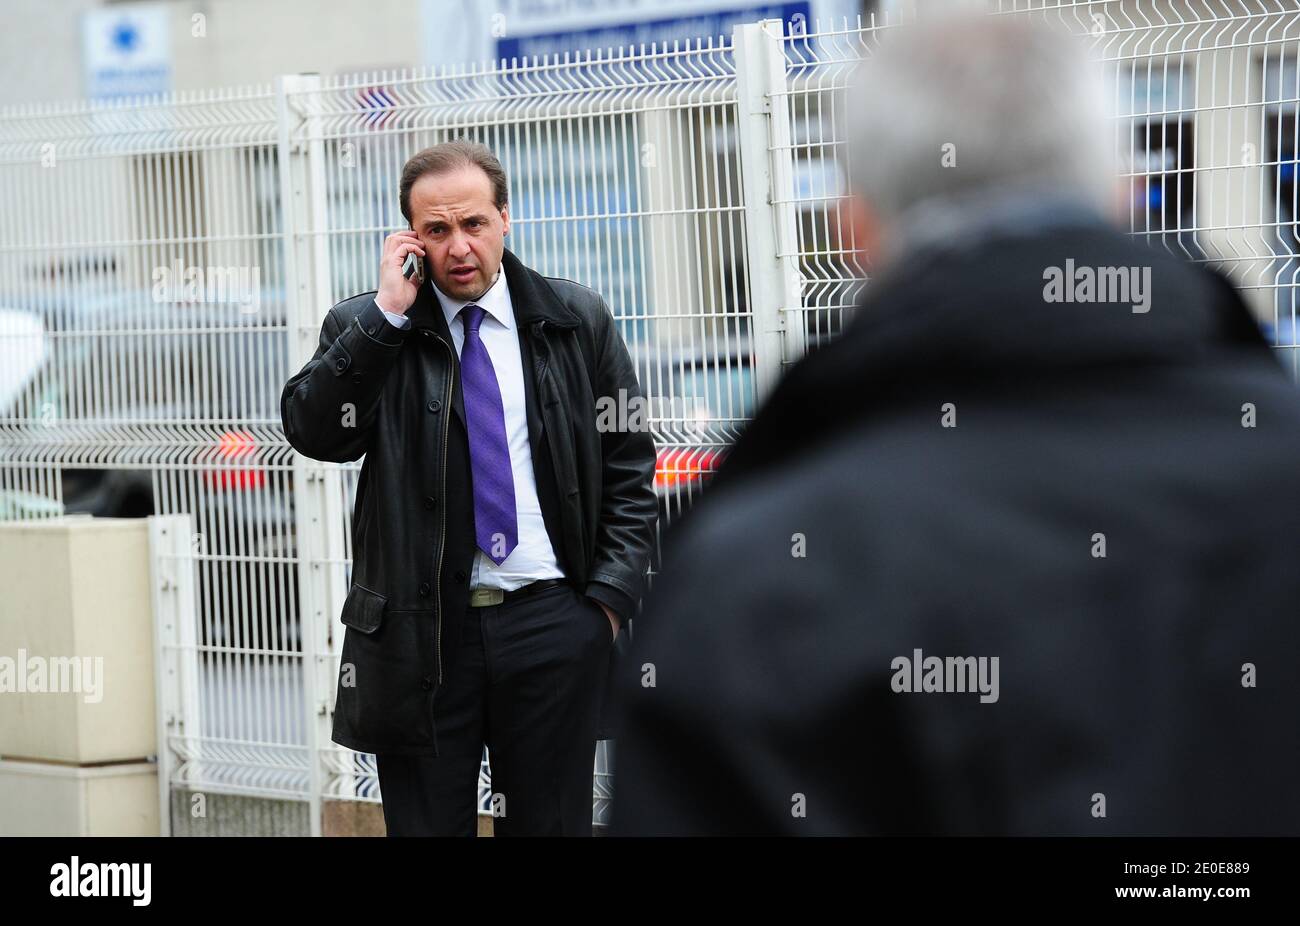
{"x": 126, "y": 50}
{"x": 663, "y": 32}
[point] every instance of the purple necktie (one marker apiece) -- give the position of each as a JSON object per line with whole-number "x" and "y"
{"x": 496, "y": 527}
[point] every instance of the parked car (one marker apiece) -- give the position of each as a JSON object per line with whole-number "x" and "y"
{"x": 698, "y": 403}
{"x": 24, "y": 348}
{"x": 174, "y": 398}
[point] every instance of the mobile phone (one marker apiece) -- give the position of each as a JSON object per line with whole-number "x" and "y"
{"x": 414, "y": 267}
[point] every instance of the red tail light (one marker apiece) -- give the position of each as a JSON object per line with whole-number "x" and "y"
{"x": 232, "y": 447}
{"x": 680, "y": 465}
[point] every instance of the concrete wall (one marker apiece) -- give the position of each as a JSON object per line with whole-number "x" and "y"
{"x": 242, "y": 42}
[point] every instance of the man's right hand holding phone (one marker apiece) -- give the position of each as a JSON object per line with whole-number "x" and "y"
{"x": 397, "y": 292}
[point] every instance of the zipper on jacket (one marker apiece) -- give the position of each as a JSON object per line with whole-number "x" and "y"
{"x": 542, "y": 349}
{"x": 543, "y": 361}
{"x": 442, "y": 506}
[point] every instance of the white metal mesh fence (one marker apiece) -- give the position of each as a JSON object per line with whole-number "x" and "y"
{"x": 146, "y": 338}
{"x": 1204, "y": 106}
{"x": 165, "y": 265}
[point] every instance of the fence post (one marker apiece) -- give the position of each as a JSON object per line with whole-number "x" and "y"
{"x": 175, "y": 651}
{"x": 319, "y": 519}
{"x": 767, "y": 179}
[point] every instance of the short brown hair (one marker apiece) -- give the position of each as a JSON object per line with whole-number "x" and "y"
{"x": 451, "y": 155}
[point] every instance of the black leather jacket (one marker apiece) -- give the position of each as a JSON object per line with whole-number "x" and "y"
{"x": 394, "y": 395}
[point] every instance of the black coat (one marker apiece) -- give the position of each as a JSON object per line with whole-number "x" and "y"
{"x": 394, "y": 395}
{"x": 1121, "y": 676}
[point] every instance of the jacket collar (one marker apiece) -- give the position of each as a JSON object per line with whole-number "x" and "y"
{"x": 978, "y": 305}
{"x": 974, "y": 314}
{"x": 533, "y": 298}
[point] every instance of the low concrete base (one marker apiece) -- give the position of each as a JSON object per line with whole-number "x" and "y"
{"x": 48, "y": 799}
{"x": 352, "y": 818}
{"x": 236, "y": 815}
{"x": 366, "y": 818}
{"x": 198, "y": 813}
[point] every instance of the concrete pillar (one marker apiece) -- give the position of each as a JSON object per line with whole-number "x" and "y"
{"x": 77, "y": 715}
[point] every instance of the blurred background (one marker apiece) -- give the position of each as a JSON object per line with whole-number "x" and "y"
{"x": 189, "y": 186}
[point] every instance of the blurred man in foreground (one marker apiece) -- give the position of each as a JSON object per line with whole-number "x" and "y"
{"x": 1017, "y": 553}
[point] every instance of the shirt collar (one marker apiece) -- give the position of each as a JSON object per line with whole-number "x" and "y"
{"x": 495, "y": 302}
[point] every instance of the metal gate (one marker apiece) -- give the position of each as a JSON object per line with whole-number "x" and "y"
{"x": 166, "y": 265}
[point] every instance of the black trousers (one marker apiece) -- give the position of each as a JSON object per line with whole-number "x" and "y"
{"x": 527, "y": 683}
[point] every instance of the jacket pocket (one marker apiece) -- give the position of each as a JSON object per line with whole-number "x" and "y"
{"x": 363, "y": 609}
{"x": 384, "y": 693}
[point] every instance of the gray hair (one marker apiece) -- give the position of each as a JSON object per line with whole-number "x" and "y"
{"x": 1019, "y": 104}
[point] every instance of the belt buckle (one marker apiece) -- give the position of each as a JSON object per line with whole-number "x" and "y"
{"x": 483, "y": 597}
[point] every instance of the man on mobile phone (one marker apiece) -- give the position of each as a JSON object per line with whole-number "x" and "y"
{"x": 500, "y": 537}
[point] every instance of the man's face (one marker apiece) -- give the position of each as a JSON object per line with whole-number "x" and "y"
{"x": 462, "y": 230}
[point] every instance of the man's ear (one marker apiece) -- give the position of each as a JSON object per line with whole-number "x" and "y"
{"x": 859, "y": 229}
{"x": 505, "y": 219}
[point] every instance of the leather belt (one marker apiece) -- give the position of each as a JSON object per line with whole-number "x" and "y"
{"x": 486, "y": 597}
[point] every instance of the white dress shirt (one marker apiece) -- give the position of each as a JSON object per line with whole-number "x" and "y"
{"x": 533, "y": 558}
